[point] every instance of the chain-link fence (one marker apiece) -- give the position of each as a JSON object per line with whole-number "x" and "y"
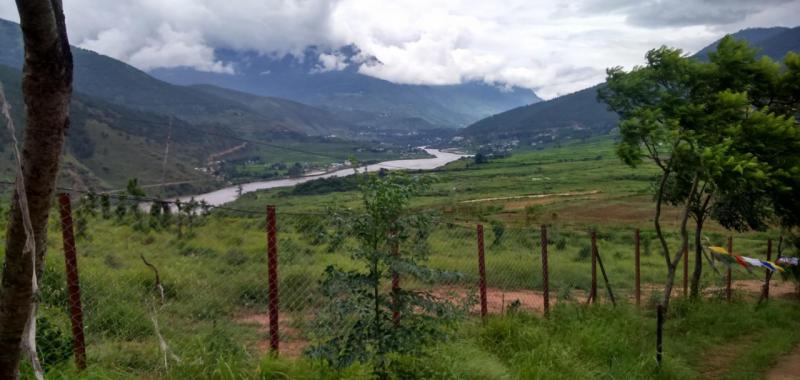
{"x": 149, "y": 285}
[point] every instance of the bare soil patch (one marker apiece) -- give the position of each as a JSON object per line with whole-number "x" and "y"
{"x": 292, "y": 343}
{"x": 787, "y": 368}
{"x": 717, "y": 361}
{"x": 498, "y": 301}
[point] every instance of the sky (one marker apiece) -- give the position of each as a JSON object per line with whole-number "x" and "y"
{"x": 553, "y": 47}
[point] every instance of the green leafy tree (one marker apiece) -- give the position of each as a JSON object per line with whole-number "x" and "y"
{"x": 105, "y": 206}
{"x": 366, "y": 321}
{"x": 709, "y": 127}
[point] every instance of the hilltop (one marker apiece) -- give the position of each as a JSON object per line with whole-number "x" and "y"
{"x": 580, "y": 114}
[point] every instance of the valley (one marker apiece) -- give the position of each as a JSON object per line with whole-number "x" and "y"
{"x": 389, "y": 197}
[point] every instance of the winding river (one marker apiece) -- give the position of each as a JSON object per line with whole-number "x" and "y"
{"x": 229, "y": 194}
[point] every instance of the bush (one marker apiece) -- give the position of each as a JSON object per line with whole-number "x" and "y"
{"x": 584, "y": 254}
{"x": 54, "y": 346}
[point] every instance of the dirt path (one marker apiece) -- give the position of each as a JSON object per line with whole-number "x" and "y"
{"x": 570, "y": 194}
{"x": 292, "y": 343}
{"x": 216, "y": 156}
{"x": 498, "y": 301}
{"x": 717, "y": 360}
{"x": 787, "y": 368}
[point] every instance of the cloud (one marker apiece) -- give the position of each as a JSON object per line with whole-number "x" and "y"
{"x": 167, "y": 48}
{"x": 553, "y": 47}
{"x": 331, "y": 62}
{"x": 665, "y": 13}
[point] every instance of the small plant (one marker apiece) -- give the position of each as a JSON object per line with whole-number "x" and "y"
{"x": 54, "y": 346}
{"x": 365, "y": 322}
{"x": 561, "y": 243}
{"x": 499, "y": 230}
{"x": 584, "y": 254}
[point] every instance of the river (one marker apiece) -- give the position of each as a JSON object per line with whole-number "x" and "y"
{"x": 229, "y": 194}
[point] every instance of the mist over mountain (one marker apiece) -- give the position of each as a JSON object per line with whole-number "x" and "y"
{"x": 580, "y": 114}
{"x": 331, "y": 80}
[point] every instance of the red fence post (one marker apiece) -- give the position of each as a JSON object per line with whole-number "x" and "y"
{"x": 685, "y": 272}
{"x": 636, "y": 278}
{"x": 728, "y": 290}
{"x": 272, "y": 273}
{"x": 482, "y": 273}
{"x": 593, "y": 291}
{"x": 545, "y": 274}
{"x": 73, "y": 284}
{"x": 768, "y": 276}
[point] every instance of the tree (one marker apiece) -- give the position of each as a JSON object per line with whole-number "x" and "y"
{"x": 367, "y": 320}
{"x": 706, "y": 126}
{"x": 47, "y": 88}
{"x": 295, "y": 170}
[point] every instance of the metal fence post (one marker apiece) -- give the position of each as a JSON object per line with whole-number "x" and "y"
{"x": 73, "y": 282}
{"x": 593, "y": 291}
{"x": 545, "y": 274}
{"x": 272, "y": 273}
{"x": 636, "y": 278}
{"x": 482, "y": 273}
{"x": 728, "y": 290}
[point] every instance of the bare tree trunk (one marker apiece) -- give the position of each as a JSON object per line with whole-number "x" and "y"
{"x": 47, "y": 86}
{"x": 698, "y": 258}
{"x": 700, "y": 218}
{"x": 657, "y": 217}
{"x": 671, "y": 269}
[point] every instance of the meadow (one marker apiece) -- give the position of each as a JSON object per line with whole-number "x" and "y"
{"x": 214, "y": 276}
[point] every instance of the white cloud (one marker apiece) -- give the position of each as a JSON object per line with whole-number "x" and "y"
{"x": 331, "y": 62}
{"x": 553, "y": 47}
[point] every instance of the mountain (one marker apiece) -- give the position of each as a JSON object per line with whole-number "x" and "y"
{"x": 778, "y": 45}
{"x": 118, "y": 83}
{"x": 108, "y": 144}
{"x": 122, "y": 120}
{"x": 580, "y": 114}
{"x": 772, "y": 42}
{"x": 361, "y": 99}
{"x": 574, "y": 115}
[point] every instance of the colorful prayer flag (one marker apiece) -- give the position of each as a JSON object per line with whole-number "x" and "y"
{"x": 788, "y": 261}
{"x": 721, "y": 254}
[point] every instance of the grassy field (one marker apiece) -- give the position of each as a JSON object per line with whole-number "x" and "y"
{"x": 605, "y": 190}
{"x": 215, "y": 283}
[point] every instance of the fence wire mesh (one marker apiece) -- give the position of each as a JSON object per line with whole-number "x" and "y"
{"x": 163, "y": 285}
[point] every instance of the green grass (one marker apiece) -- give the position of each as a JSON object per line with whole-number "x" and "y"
{"x": 216, "y": 275}
{"x": 215, "y": 281}
{"x": 581, "y": 167}
{"x": 604, "y": 342}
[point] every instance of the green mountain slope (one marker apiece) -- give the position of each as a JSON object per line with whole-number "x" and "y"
{"x": 574, "y": 115}
{"x": 118, "y": 83}
{"x": 283, "y": 112}
{"x": 580, "y": 114}
{"x": 108, "y": 144}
